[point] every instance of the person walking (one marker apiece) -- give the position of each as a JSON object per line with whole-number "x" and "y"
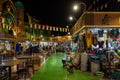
{"x": 64, "y": 60}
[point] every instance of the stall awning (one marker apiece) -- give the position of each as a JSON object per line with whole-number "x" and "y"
{"x": 6, "y": 36}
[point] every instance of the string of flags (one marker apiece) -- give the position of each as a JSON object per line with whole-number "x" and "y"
{"x": 5, "y": 26}
{"x": 37, "y": 26}
{"x": 47, "y": 27}
{"x": 10, "y": 27}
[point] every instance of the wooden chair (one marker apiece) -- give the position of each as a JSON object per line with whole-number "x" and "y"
{"x": 30, "y": 64}
{"x": 3, "y": 74}
{"x": 23, "y": 71}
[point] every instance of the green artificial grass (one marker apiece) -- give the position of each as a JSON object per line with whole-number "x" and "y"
{"x": 52, "y": 70}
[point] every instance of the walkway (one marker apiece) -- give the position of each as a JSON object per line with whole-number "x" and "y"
{"x": 52, "y": 70}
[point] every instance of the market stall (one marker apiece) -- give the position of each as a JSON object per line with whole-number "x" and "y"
{"x": 100, "y": 33}
{"x": 7, "y": 44}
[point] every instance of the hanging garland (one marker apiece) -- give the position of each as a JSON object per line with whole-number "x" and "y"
{"x": 47, "y": 27}
{"x": 34, "y": 26}
{"x": 43, "y": 27}
{"x": 39, "y": 27}
{"x": 50, "y": 28}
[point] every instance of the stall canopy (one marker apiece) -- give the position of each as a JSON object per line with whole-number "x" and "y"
{"x": 6, "y": 36}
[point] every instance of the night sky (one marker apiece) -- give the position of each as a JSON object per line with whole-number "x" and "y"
{"x": 50, "y": 12}
{"x": 57, "y": 12}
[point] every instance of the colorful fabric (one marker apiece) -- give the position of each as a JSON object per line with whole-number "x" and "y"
{"x": 88, "y": 37}
{"x": 95, "y": 41}
{"x": 100, "y": 32}
{"x": 115, "y": 33}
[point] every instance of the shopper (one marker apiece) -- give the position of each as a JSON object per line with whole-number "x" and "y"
{"x": 64, "y": 60}
{"x": 69, "y": 58}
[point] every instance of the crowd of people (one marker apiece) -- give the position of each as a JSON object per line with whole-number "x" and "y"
{"x": 37, "y": 49}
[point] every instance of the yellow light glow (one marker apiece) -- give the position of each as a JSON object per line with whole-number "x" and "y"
{"x": 71, "y": 18}
{"x": 75, "y": 7}
{"x": 43, "y": 39}
{"x": 119, "y": 19}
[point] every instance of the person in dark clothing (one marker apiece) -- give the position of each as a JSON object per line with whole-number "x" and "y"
{"x": 29, "y": 50}
{"x": 35, "y": 50}
{"x": 64, "y": 62}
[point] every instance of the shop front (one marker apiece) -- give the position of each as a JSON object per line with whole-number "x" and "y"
{"x": 98, "y": 38}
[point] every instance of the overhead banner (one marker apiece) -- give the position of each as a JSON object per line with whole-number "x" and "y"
{"x": 47, "y": 27}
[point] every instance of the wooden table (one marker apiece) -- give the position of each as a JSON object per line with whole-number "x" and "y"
{"x": 29, "y": 61}
{"x": 10, "y": 63}
{"x": 26, "y": 57}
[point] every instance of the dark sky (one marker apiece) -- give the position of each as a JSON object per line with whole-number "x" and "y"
{"x": 55, "y": 12}
{"x": 51, "y": 12}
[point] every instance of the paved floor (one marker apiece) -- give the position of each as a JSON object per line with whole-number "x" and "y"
{"x": 52, "y": 70}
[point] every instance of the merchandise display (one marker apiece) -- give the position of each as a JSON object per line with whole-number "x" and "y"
{"x": 88, "y": 37}
{"x": 102, "y": 49}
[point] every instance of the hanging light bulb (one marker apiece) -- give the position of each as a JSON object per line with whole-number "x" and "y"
{"x": 71, "y": 18}
{"x": 75, "y": 7}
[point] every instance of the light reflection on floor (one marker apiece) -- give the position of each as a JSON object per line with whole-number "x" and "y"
{"x": 52, "y": 70}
